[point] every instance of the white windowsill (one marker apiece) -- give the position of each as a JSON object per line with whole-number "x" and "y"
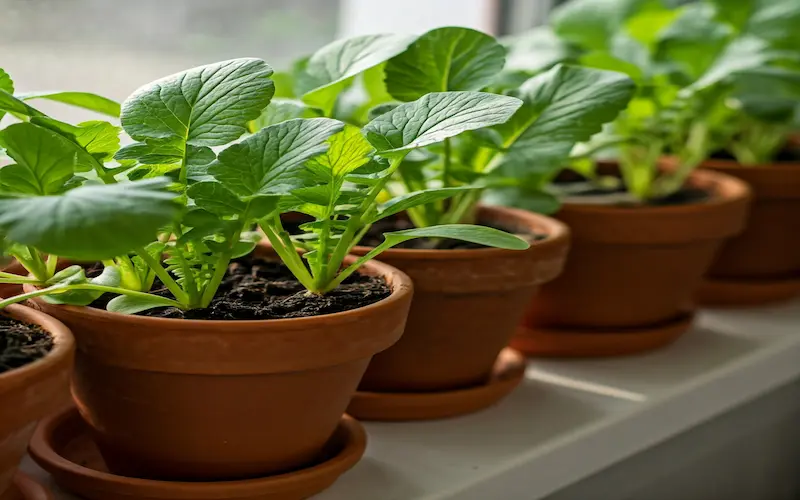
{"x": 570, "y": 419}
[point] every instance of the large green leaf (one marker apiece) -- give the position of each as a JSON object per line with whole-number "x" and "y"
{"x": 45, "y": 161}
{"x": 562, "y": 107}
{"x": 436, "y": 117}
{"x": 480, "y": 235}
{"x": 775, "y": 21}
{"x": 741, "y": 55}
{"x": 328, "y": 71}
{"x": 204, "y": 106}
{"x": 444, "y": 59}
{"x": 85, "y": 100}
{"x": 92, "y": 222}
{"x": 348, "y": 151}
{"x": 215, "y": 198}
{"x": 270, "y": 162}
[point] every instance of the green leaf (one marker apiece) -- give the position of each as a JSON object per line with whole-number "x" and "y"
{"x": 410, "y": 200}
{"x": 92, "y": 222}
{"x": 93, "y": 142}
{"x": 75, "y": 275}
{"x": 742, "y": 54}
{"x": 329, "y": 70}
{"x": 215, "y": 198}
{"x": 444, "y": 59}
{"x": 348, "y": 150}
{"x": 536, "y": 50}
{"x": 132, "y": 304}
{"x": 563, "y": 106}
{"x": 591, "y": 23}
{"x": 204, "y": 106}
{"x": 435, "y": 117}
{"x": 281, "y": 110}
{"x": 151, "y": 152}
{"x": 270, "y": 162}
{"x": 284, "y": 85}
{"x": 479, "y": 235}
{"x": 85, "y": 100}
{"x": 6, "y": 85}
{"x": 44, "y": 160}
{"x": 9, "y": 103}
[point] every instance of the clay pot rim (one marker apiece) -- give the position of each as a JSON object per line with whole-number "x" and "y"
{"x": 399, "y": 282}
{"x": 730, "y": 190}
{"x": 556, "y": 234}
{"x": 63, "y": 345}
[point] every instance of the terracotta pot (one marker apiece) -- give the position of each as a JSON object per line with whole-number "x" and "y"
{"x": 7, "y": 289}
{"x": 466, "y": 306}
{"x": 32, "y": 391}
{"x": 630, "y": 267}
{"x": 178, "y": 399}
{"x": 769, "y": 247}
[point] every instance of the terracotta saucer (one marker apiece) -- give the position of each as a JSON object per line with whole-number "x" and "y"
{"x": 509, "y": 369}
{"x": 578, "y": 343}
{"x": 62, "y": 446}
{"x": 731, "y": 293}
{"x": 23, "y": 487}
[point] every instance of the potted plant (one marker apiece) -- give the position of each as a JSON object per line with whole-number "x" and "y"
{"x": 15, "y": 104}
{"x": 35, "y": 363}
{"x": 468, "y": 299}
{"x": 753, "y": 140}
{"x": 218, "y": 364}
{"x": 646, "y": 228}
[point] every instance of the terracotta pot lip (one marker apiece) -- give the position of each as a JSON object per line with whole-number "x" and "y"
{"x": 401, "y": 286}
{"x": 735, "y": 192}
{"x": 557, "y": 233}
{"x": 63, "y": 343}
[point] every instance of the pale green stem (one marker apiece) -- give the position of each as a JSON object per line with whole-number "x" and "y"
{"x": 164, "y": 276}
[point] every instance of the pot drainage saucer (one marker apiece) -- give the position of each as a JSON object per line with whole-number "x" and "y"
{"x": 25, "y": 488}
{"x": 62, "y": 445}
{"x": 725, "y": 292}
{"x": 508, "y": 372}
{"x": 601, "y": 342}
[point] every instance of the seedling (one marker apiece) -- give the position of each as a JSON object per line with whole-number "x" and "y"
{"x": 308, "y": 165}
{"x": 688, "y": 63}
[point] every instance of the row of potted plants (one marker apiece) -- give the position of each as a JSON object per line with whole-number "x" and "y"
{"x": 219, "y": 274}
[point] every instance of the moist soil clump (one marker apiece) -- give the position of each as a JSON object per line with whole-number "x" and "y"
{"x": 255, "y": 288}
{"x": 21, "y": 343}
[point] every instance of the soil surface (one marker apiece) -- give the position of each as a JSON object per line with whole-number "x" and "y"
{"x": 256, "y": 288}
{"x": 575, "y": 190}
{"x": 21, "y": 343}
{"x": 786, "y": 155}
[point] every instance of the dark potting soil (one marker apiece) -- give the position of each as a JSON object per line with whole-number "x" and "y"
{"x": 786, "y": 155}
{"x": 21, "y": 343}
{"x": 615, "y": 195}
{"x": 257, "y": 288}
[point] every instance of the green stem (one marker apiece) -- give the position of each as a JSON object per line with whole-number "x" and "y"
{"x": 18, "y": 280}
{"x": 354, "y": 224}
{"x": 52, "y": 264}
{"x": 288, "y": 255}
{"x": 447, "y": 164}
{"x": 164, "y": 276}
{"x": 221, "y": 266}
{"x": 54, "y": 290}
